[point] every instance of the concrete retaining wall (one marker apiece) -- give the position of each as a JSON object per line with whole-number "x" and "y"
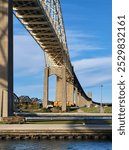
{"x": 33, "y": 131}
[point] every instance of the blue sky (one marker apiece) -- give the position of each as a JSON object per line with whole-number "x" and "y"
{"x": 88, "y": 28}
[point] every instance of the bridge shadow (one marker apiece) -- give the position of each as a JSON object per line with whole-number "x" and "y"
{"x": 93, "y": 129}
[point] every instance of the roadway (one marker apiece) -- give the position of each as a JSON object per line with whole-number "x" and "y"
{"x": 52, "y": 127}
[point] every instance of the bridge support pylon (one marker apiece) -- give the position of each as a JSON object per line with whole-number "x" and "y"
{"x": 75, "y": 95}
{"x": 64, "y": 89}
{"x": 70, "y": 93}
{"x": 46, "y": 87}
{"x": 6, "y": 58}
{"x": 58, "y": 89}
{"x": 61, "y": 86}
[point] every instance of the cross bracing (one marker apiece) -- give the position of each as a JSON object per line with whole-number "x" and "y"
{"x": 43, "y": 19}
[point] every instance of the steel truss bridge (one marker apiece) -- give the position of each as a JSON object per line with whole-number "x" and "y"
{"x": 44, "y": 21}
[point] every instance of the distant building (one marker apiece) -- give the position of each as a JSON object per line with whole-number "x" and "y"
{"x": 25, "y": 99}
{"x": 16, "y": 102}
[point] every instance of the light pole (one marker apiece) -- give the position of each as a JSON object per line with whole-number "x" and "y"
{"x": 101, "y": 98}
{"x": 101, "y": 107}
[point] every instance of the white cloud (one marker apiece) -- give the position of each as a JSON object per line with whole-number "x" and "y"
{"x": 92, "y": 63}
{"x": 94, "y": 71}
{"x": 79, "y": 41}
{"x": 79, "y": 34}
{"x": 28, "y": 56}
{"x": 79, "y": 46}
{"x": 94, "y": 79}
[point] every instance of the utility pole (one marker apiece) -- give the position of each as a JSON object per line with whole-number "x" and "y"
{"x": 101, "y": 107}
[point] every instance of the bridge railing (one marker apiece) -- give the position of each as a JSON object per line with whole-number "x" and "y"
{"x": 53, "y": 9}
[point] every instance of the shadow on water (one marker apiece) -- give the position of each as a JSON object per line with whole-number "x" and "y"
{"x": 55, "y": 145}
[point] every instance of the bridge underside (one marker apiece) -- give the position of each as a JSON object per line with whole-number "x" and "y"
{"x": 44, "y": 22}
{"x": 36, "y": 19}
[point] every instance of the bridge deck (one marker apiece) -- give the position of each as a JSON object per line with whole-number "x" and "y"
{"x": 34, "y": 16}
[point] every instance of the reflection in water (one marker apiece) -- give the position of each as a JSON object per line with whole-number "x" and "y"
{"x": 55, "y": 145}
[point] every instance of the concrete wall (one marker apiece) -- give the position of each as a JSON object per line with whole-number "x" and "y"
{"x": 84, "y": 102}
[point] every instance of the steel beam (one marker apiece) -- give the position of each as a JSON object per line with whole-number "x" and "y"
{"x": 28, "y": 16}
{"x": 25, "y": 8}
{"x": 35, "y": 22}
{"x": 24, "y": 0}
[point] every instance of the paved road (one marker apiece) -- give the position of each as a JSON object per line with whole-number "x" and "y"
{"x": 51, "y": 126}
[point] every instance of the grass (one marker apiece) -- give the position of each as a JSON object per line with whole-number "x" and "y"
{"x": 90, "y": 109}
{"x": 96, "y": 109}
{"x": 57, "y": 122}
{"x": 44, "y": 110}
{"x": 72, "y": 122}
{"x": 36, "y": 110}
{"x": 108, "y": 109}
{"x": 57, "y": 110}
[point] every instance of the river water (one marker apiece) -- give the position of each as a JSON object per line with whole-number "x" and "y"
{"x": 54, "y": 145}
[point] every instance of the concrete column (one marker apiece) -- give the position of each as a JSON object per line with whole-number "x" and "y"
{"x": 64, "y": 89}
{"x": 75, "y": 96}
{"x": 78, "y": 98}
{"x": 70, "y": 93}
{"x": 1, "y": 102}
{"x": 5, "y": 103}
{"x": 6, "y": 58}
{"x": 59, "y": 89}
{"x": 46, "y": 83}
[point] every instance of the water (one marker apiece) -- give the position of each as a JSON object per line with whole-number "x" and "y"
{"x": 55, "y": 145}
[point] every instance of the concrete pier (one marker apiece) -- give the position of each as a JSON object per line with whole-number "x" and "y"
{"x": 58, "y": 89}
{"x": 64, "y": 89}
{"x": 70, "y": 93}
{"x": 6, "y": 58}
{"x": 46, "y": 83}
